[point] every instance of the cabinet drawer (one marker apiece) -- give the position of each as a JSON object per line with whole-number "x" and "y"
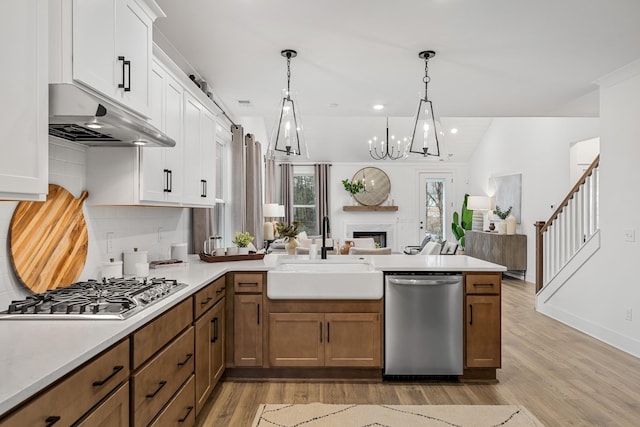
{"x": 477, "y": 283}
{"x": 207, "y": 297}
{"x": 180, "y": 410}
{"x": 153, "y": 336}
{"x": 159, "y": 379}
{"x": 114, "y": 411}
{"x": 247, "y": 283}
{"x": 67, "y": 401}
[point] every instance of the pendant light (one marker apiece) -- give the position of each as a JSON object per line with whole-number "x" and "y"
{"x": 392, "y": 149}
{"x": 426, "y": 128}
{"x": 287, "y": 138}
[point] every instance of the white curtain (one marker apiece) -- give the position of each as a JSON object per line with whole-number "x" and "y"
{"x": 253, "y": 212}
{"x": 286, "y": 191}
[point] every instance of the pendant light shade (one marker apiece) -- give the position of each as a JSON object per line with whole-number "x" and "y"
{"x": 287, "y": 138}
{"x": 426, "y": 129}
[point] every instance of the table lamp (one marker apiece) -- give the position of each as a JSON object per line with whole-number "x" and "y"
{"x": 270, "y": 211}
{"x": 479, "y": 205}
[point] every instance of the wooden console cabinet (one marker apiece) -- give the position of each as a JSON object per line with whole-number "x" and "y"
{"x": 509, "y": 250}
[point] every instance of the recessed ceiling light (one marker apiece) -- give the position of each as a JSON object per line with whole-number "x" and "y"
{"x": 378, "y": 107}
{"x": 454, "y": 130}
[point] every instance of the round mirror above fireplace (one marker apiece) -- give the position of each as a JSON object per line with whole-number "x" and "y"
{"x": 376, "y": 186}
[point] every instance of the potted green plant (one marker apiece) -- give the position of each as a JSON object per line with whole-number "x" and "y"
{"x": 242, "y": 240}
{"x": 352, "y": 187}
{"x": 502, "y": 225}
{"x": 459, "y": 225}
{"x": 289, "y": 233}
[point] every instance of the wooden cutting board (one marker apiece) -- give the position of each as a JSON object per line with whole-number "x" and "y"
{"x": 49, "y": 240}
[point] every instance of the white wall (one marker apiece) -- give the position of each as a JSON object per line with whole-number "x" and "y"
{"x": 149, "y": 229}
{"x": 404, "y": 191}
{"x": 537, "y": 148}
{"x": 597, "y": 297}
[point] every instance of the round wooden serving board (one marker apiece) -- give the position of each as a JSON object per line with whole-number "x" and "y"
{"x": 49, "y": 240}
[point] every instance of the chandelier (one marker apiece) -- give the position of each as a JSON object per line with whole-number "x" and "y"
{"x": 287, "y": 138}
{"x": 392, "y": 149}
{"x": 424, "y": 139}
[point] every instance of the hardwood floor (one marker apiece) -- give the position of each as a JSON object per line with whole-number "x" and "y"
{"x": 564, "y": 377}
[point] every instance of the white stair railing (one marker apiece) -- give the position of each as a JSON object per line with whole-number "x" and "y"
{"x": 571, "y": 225}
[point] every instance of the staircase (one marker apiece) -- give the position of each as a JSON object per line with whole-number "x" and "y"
{"x": 570, "y": 236}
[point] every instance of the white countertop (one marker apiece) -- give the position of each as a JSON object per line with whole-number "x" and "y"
{"x": 35, "y": 353}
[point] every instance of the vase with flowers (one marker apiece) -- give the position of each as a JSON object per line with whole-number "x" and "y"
{"x": 352, "y": 187}
{"x": 502, "y": 225}
{"x": 289, "y": 233}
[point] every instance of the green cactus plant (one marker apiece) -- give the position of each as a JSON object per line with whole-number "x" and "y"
{"x": 458, "y": 229}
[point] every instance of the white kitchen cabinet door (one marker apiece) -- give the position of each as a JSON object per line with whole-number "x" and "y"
{"x": 161, "y": 168}
{"x": 112, "y": 42}
{"x": 24, "y": 119}
{"x": 199, "y": 160}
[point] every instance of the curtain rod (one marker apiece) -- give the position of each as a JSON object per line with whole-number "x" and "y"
{"x": 306, "y": 164}
{"x": 223, "y": 112}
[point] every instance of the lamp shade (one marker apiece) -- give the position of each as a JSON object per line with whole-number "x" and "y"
{"x": 270, "y": 210}
{"x": 479, "y": 203}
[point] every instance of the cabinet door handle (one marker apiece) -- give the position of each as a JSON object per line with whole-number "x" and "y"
{"x": 170, "y": 180}
{"x": 320, "y": 331}
{"x": 184, "y": 362}
{"x": 204, "y": 188}
{"x": 116, "y": 369}
{"x": 126, "y": 64}
{"x": 51, "y": 420}
{"x": 205, "y": 302}
{"x": 215, "y": 329}
{"x": 160, "y": 385}
{"x": 183, "y": 419}
{"x": 328, "y": 332}
{"x": 166, "y": 180}
{"x": 471, "y": 314}
{"x": 258, "y": 309}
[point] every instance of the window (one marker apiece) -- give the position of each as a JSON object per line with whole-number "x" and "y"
{"x": 304, "y": 199}
{"x": 435, "y": 204}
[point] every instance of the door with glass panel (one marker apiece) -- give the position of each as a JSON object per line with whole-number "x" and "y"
{"x": 435, "y": 204}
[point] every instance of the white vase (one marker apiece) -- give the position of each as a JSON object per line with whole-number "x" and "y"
{"x": 502, "y": 227}
{"x": 232, "y": 250}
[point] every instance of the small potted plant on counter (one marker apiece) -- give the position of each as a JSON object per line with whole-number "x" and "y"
{"x": 242, "y": 240}
{"x": 352, "y": 187}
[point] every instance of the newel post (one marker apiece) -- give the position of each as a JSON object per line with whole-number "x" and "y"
{"x": 539, "y": 255}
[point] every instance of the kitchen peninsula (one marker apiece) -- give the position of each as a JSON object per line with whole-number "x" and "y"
{"x": 56, "y": 348}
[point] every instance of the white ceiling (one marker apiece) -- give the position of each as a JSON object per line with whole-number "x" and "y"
{"x": 495, "y": 58}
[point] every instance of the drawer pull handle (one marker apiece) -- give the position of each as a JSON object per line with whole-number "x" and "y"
{"x": 160, "y": 385}
{"x": 116, "y": 369}
{"x": 189, "y": 356}
{"x": 219, "y": 291}
{"x": 183, "y": 419}
{"x": 51, "y": 420}
{"x": 483, "y": 284}
{"x": 205, "y": 302}
{"x": 247, "y": 283}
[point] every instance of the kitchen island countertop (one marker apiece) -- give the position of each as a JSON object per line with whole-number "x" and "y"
{"x": 36, "y": 353}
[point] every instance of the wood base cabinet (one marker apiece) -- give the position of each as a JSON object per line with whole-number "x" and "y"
{"x": 247, "y": 318}
{"x": 209, "y": 341}
{"x": 325, "y": 339}
{"x": 483, "y": 320}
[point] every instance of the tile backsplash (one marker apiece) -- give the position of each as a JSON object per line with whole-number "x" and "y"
{"x": 151, "y": 229}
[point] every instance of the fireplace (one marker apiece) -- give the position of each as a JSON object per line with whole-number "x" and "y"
{"x": 379, "y": 237}
{"x": 388, "y": 230}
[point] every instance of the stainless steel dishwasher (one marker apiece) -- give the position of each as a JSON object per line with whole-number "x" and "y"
{"x": 423, "y": 325}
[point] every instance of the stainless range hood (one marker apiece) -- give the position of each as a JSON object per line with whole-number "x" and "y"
{"x": 77, "y": 115}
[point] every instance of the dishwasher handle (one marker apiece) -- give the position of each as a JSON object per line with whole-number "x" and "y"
{"x": 424, "y": 281}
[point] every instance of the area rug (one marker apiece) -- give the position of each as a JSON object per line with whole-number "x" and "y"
{"x": 319, "y": 414}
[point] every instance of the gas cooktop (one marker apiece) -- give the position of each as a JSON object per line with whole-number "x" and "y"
{"x": 107, "y": 299}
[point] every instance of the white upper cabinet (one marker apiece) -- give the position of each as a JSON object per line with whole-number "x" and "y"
{"x": 199, "y": 160}
{"x": 105, "y": 45}
{"x": 162, "y": 168}
{"x": 24, "y": 143}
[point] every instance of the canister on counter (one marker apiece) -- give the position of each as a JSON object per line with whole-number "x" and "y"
{"x": 131, "y": 258}
{"x": 110, "y": 269}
